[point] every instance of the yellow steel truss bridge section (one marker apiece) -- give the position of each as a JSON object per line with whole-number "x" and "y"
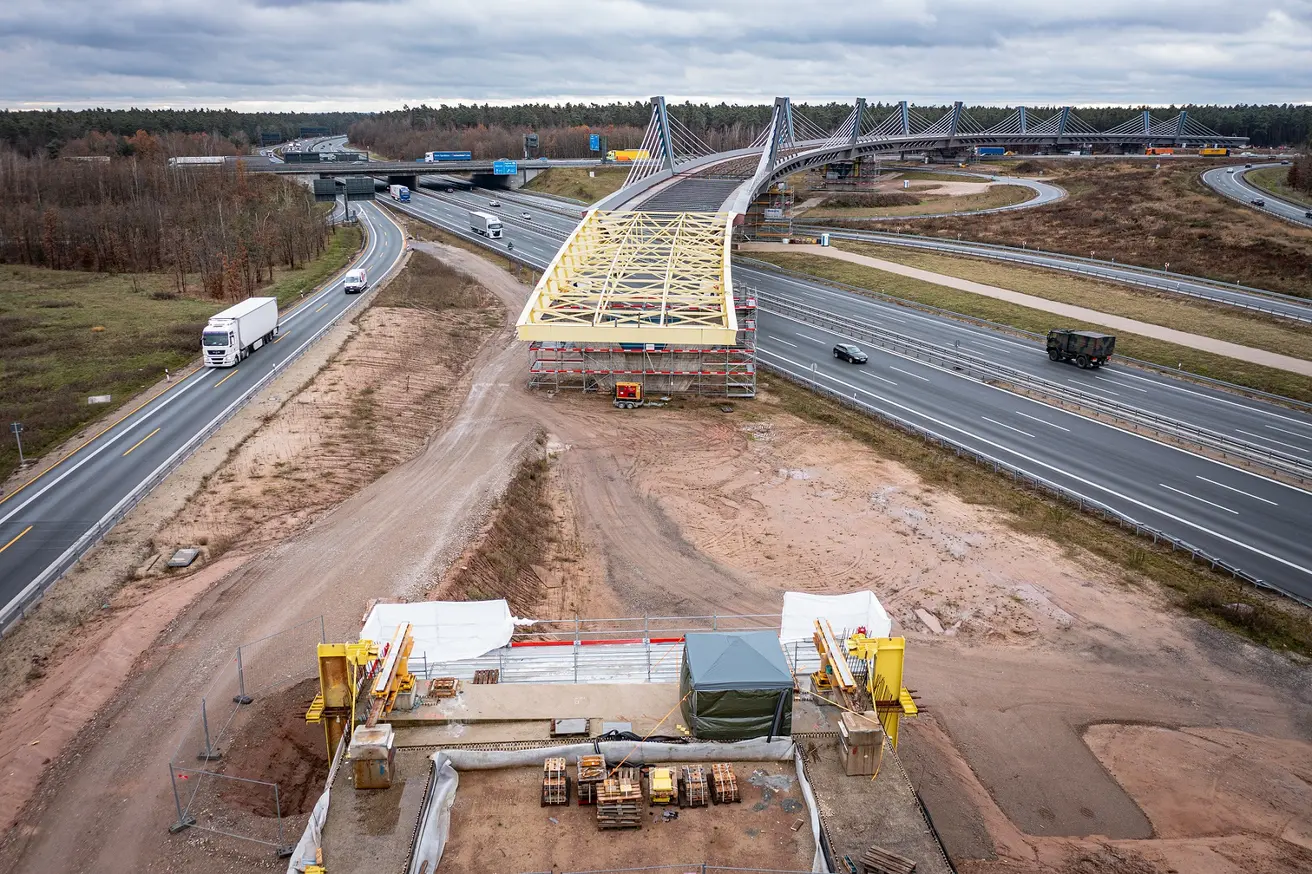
{"x": 638, "y": 277}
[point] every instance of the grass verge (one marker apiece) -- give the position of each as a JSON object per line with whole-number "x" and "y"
{"x": 1272, "y": 180}
{"x": 66, "y": 335}
{"x": 1262, "y": 617}
{"x": 1172, "y": 355}
{"x": 1182, "y": 314}
{"x": 991, "y": 197}
{"x": 576, "y": 183}
{"x": 1139, "y": 214}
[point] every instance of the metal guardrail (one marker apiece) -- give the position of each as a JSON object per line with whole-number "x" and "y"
{"x": 1070, "y": 264}
{"x": 1277, "y": 463}
{"x": 32, "y": 593}
{"x": 1084, "y": 503}
{"x": 1234, "y": 388}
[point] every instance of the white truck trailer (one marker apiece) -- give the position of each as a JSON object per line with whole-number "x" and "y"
{"x": 486, "y": 224}
{"x": 239, "y": 330}
{"x": 399, "y": 192}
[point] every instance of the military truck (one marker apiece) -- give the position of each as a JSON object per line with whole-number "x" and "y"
{"x": 1085, "y": 348}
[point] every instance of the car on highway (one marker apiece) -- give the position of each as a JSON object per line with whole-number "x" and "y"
{"x": 1308, "y": 214}
{"x": 1248, "y": 166}
{"x": 495, "y": 203}
{"x": 850, "y": 353}
{"x": 1258, "y": 202}
{"x": 1231, "y": 171}
{"x": 527, "y": 217}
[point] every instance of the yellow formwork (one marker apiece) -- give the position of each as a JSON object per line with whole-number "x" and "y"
{"x": 638, "y": 277}
{"x": 885, "y": 657}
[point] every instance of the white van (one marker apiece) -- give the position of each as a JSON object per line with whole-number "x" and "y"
{"x": 356, "y": 281}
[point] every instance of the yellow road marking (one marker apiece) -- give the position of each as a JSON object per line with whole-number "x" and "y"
{"x": 139, "y": 442}
{"x": 226, "y": 378}
{"x": 15, "y": 540}
{"x": 281, "y": 338}
{"x": 325, "y": 303}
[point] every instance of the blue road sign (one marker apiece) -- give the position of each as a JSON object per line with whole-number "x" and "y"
{"x": 504, "y": 168}
{"x": 594, "y": 142}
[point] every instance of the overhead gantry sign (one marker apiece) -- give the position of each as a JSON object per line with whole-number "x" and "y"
{"x": 638, "y": 278}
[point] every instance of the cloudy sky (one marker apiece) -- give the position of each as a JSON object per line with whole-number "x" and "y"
{"x": 379, "y": 54}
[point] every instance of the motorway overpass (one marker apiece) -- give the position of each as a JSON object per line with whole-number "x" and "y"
{"x": 408, "y": 172}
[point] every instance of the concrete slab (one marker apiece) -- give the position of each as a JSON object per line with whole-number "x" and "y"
{"x": 370, "y": 830}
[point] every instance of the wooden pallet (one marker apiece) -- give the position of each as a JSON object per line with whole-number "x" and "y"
{"x": 555, "y": 785}
{"x": 619, "y": 800}
{"x": 692, "y": 787}
{"x": 444, "y": 687}
{"x": 591, "y": 771}
{"x": 487, "y": 677}
{"x": 877, "y": 860}
{"x": 724, "y": 784}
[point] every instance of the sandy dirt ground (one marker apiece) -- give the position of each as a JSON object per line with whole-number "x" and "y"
{"x": 1033, "y": 753}
{"x": 390, "y": 539}
{"x": 1071, "y": 311}
{"x": 525, "y": 838}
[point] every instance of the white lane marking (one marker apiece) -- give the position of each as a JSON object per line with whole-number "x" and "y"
{"x": 910, "y": 374}
{"x": 812, "y": 339}
{"x": 1169, "y": 384}
{"x": 1044, "y": 421}
{"x": 1005, "y": 425}
{"x": 1083, "y": 387}
{"x": 1270, "y": 439}
{"x": 1196, "y": 498}
{"x": 196, "y": 379}
{"x": 1130, "y": 387}
{"x": 1290, "y": 433}
{"x": 782, "y": 340}
{"x": 1079, "y": 479}
{"x": 1238, "y": 491}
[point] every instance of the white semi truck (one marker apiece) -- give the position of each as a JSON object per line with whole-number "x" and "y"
{"x": 239, "y": 330}
{"x": 486, "y": 224}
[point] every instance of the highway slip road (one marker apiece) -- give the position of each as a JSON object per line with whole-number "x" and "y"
{"x": 49, "y": 522}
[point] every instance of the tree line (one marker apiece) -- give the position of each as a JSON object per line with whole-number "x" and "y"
{"x": 1300, "y": 174}
{"x": 219, "y": 230}
{"x": 49, "y": 132}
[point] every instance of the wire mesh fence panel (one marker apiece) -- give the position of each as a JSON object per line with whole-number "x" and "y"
{"x": 279, "y": 659}
{"x": 238, "y": 807}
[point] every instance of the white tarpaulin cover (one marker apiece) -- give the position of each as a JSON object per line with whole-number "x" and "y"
{"x": 444, "y": 631}
{"x": 845, "y": 613}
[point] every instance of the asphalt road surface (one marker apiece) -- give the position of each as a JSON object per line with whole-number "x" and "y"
{"x": 1236, "y": 187}
{"x": 1247, "y": 520}
{"x": 42, "y": 521}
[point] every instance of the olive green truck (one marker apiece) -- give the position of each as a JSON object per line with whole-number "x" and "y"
{"x": 1085, "y": 348}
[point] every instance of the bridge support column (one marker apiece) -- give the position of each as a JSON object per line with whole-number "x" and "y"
{"x": 905, "y": 112}
{"x": 663, "y": 123}
{"x": 1024, "y": 121}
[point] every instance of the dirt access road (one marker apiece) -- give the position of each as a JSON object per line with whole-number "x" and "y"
{"x": 109, "y": 805}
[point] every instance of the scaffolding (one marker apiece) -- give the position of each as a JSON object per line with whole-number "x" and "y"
{"x": 769, "y": 217}
{"x": 662, "y": 368}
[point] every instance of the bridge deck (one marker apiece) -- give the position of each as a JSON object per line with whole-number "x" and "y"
{"x": 638, "y": 278}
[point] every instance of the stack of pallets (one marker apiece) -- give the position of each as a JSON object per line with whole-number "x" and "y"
{"x": 692, "y": 787}
{"x": 591, "y": 771}
{"x": 619, "y": 799}
{"x": 877, "y": 860}
{"x": 555, "y": 785}
{"x": 444, "y": 687}
{"x": 724, "y": 785}
{"x": 486, "y": 677}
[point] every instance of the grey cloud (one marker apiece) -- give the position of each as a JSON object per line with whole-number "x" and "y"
{"x": 375, "y": 54}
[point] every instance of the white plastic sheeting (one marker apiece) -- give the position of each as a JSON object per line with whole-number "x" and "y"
{"x": 435, "y": 819}
{"x": 444, "y": 631}
{"x": 845, "y": 613}
{"x": 312, "y": 838}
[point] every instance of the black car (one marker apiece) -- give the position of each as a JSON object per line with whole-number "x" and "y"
{"x": 1308, "y": 214}
{"x": 1258, "y": 202}
{"x": 850, "y": 353}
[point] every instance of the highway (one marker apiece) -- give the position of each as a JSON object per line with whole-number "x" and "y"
{"x": 1270, "y": 302}
{"x": 1236, "y": 187}
{"x": 1252, "y": 522}
{"x": 45, "y": 524}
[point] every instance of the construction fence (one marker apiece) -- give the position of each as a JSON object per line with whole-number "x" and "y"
{"x": 220, "y": 772}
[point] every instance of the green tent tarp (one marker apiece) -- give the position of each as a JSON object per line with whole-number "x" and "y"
{"x": 735, "y": 685}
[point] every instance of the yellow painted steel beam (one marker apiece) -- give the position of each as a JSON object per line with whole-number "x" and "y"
{"x": 638, "y": 277}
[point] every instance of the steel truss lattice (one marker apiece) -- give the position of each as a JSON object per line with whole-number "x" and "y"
{"x": 637, "y": 277}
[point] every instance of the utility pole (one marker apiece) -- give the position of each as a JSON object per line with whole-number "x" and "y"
{"x": 17, "y": 428}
